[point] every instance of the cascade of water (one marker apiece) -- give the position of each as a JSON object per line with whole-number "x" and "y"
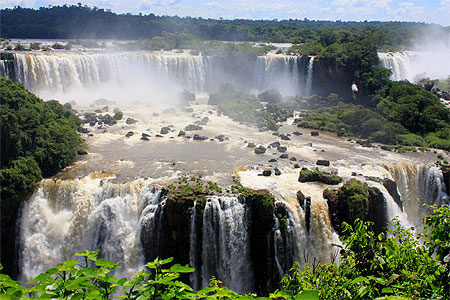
{"x": 66, "y": 217}
{"x": 61, "y": 72}
{"x": 414, "y": 66}
{"x": 193, "y": 250}
{"x": 278, "y": 72}
{"x": 309, "y": 76}
{"x": 417, "y": 184}
{"x": 226, "y": 245}
{"x": 300, "y": 244}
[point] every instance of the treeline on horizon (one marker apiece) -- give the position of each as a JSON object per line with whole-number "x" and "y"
{"x": 84, "y": 22}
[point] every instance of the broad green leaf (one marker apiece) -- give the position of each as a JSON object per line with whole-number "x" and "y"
{"x": 387, "y": 290}
{"x": 101, "y": 262}
{"x": 360, "y": 279}
{"x": 177, "y": 268}
{"x": 70, "y": 263}
{"x": 307, "y": 295}
{"x": 166, "y": 261}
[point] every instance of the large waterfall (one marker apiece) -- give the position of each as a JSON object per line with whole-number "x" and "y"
{"x": 418, "y": 185}
{"x": 126, "y": 221}
{"x": 142, "y": 73}
{"x": 414, "y": 66}
{"x": 283, "y": 72}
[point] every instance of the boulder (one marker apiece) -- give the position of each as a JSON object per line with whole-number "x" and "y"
{"x": 165, "y": 130}
{"x": 83, "y": 130}
{"x": 130, "y": 121}
{"x": 282, "y": 149}
{"x": 260, "y": 149}
{"x": 222, "y": 138}
{"x": 273, "y": 160}
{"x": 274, "y": 145}
{"x": 129, "y": 133}
{"x": 285, "y": 137}
{"x": 366, "y": 143}
{"x": 82, "y": 152}
{"x": 314, "y": 133}
{"x": 267, "y": 172}
{"x": 301, "y": 199}
{"x": 284, "y": 156}
{"x": 322, "y": 162}
{"x": 391, "y": 187}
{"x": 293, "y": 159}
{"x": 356, "y": 200}
{"x": 198, "y": 137}
{"x": 296, "y": 133}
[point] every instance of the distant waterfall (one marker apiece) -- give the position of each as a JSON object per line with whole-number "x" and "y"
{"x": 417, "y": 185}
{"x": 309, "y": 76}
{"x": 226, "y": 245}
{"x": 414, "y": 66}
{"x": 131, "y": 74}
{"x": 285, "y": 73}
{"x": 58, "y": 73}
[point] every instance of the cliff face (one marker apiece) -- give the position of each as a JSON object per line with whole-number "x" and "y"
{"x": 329, "y": 78}
{"x": 356, "y": 200}
{"x": 170, "y": 232}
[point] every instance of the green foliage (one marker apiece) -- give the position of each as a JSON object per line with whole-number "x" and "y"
{"x": 35, "y": 46}
{"x": 396, "y": 266}
{"x": 118, "y": 115}
{"x": 246, "y": 108}
{"x": 38, "y": 139}
{"x": 318, "y": 176}
{"x": 419, "y": 120}
{"x": 192, "y": 127}
{"x": 94, "y": 23}
{"x": 392, "y": 267}
{"x": 19, "y": 179}
{"x": 418, "y": 110}
{"x": 271, "y": 96}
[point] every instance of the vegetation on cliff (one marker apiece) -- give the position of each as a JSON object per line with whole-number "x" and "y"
{"x": 396, "y": 266}
{"x": 406, "y": 114}
{"x": 38, "y": 139}
{"x": 318, "y": 176}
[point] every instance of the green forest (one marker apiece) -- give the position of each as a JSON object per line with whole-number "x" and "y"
{"x": 384, "y": 266}
{"x": 38, "y": 139}
{"x": 84, "y": 22}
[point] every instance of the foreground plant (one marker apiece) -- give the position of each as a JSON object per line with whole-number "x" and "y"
{"x": 383, "y": 267}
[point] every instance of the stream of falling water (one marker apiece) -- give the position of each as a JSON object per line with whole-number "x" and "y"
{"x": 226, "y": 243}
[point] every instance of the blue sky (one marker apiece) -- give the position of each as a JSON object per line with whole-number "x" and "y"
{"x": 431, "y": 11}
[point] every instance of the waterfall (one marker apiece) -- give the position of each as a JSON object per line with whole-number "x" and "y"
{"x": 302, "y": 245}
{"x": 66, "y": 217}
{"x": 61, "y": 73}
{"x": 279, "y": 72}
{"x": 309, "y": 76}
{"x": 226, "y": 245}
{"x": 132, "y": 74}
{"x": 414, "y": 66}
{"x": 418, "y": 184}
{"x": 193, "y": 250}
